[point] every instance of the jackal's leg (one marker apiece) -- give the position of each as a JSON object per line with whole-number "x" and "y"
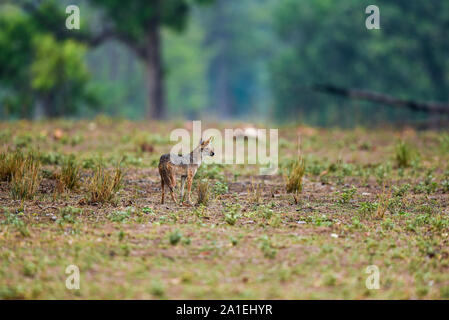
{"x": 189, "y": 186}
{"x": 163, "y": 190}
{"x": 172, "y": 193}
{"x": 183, "y": 182}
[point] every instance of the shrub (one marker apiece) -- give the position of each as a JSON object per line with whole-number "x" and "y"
{"x": 104, "y": 184}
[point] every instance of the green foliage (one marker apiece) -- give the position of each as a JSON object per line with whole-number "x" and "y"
{"x": 36, "y": 68}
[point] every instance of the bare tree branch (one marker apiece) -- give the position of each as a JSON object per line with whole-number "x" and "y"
{"x": 426, "y": 106}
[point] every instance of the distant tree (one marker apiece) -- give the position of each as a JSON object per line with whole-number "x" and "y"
{"x": 36, "y": 69}
{"x": 240, "y": 37}
{"x": 137, "y": 23}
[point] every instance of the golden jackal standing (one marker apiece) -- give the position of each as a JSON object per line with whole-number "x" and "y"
{"x": 186, "y": 165}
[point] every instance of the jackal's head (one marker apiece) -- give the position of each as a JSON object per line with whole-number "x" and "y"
{"x": 206, "y": 148}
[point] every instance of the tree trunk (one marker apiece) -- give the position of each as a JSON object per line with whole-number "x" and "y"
{"x": 156, "y": 103}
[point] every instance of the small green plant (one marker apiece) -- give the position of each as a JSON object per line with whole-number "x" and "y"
{"x": 121, "y": 216}
{"x": 220, "y": 188}
{"x": 400, "y": 191}
{"x": 16, "y": 222}
{"x": 68, "y": 214}
{"x": 232, "y": 213}
{"x": 148, "y": 210}
{"x": 367, "y": 207}
{"x": 445, "y": 185}
{"x": 175, "y": 237}
{"x": 347, "y": 195}
{"x": 157, "y": 288}
{"x": 267, "y": 248}
{"x": 444, "y": 142}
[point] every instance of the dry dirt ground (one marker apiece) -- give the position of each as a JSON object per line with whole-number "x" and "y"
{"x": 358, "y": 208}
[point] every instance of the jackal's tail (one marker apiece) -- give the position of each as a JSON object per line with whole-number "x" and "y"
{"x": 166, "y": 172}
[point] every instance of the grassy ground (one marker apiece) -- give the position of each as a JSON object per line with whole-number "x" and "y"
{"x": 367, "y": 200}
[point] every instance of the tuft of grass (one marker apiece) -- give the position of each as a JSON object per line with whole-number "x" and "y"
{"x": 104, "y": 184}
{"x": 294, "y": 180}
{"x": 403, "y": 154}
{"x": 254, "y": 192}
{"x": 10, "y": 163}
{"x": 25, "y": 178}
{"x": 70, "y": 173}
{"x": 383, "y": 203}
{"x": 203, "y": 193}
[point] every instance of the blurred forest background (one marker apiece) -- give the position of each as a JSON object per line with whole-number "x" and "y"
{"x": 225, "y": 59}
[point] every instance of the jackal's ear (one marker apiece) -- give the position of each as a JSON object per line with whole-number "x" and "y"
{"x": 211, "y": 139}
{"x": 201, "y": 140}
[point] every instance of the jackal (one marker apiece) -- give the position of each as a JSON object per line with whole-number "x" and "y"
{"x": 186, "y": 165}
